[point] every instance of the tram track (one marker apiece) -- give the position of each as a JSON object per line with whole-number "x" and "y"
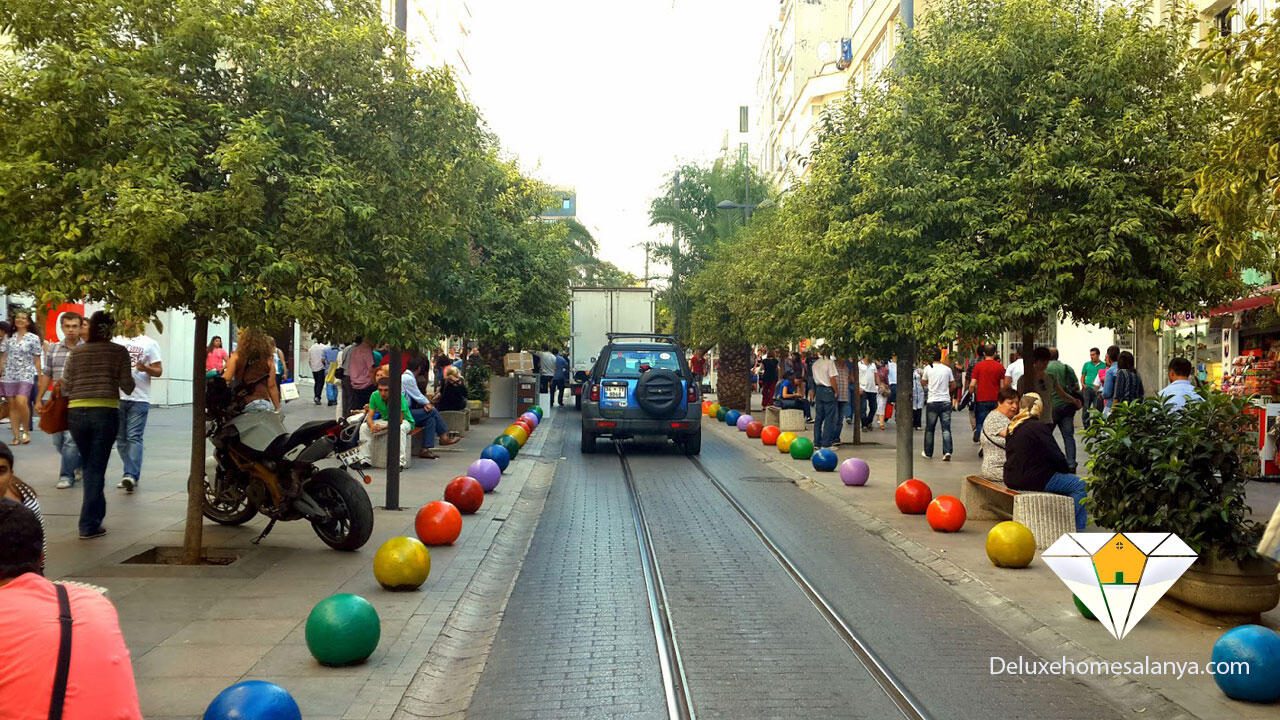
{"x": 679, "y": 699}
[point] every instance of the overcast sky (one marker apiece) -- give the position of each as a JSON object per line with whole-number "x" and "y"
{"x": 608, "y": 96}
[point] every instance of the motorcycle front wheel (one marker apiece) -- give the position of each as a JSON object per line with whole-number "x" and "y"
{"x": 350, "y": 521}
{"x": 228, "y": 505}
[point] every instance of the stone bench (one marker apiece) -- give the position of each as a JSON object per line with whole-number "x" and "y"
{"x": 378, "y": 450}
{"x": 771, "y": 415}
{"x": 458, "y": 421}
{"x": 784, "y": 420}
{"x": 1047, "y": 515}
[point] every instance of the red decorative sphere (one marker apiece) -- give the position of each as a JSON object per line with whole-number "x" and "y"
{"x": 754, "y": 429}
{"x": 946, "y": 514}
{"x": 769, "y": 434}
{"x": 912, "y": 497}
{"x": 438, "y": 523}
{"x": 466, "y": 493}
{"x": 528, "y": 426}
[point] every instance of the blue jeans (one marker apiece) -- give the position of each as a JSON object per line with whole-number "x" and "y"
{"x": 845, "y": 408}
{"x": 133, "y": 422}
{"x": 1064, "y": 484}
{"x": 1091, "y": 400}
{"x": 868, "y": 408}
{"x": 1066, "y": 422}
{"x": 933, "y": 412}
{"x": 431, "y": 423}
{"x": 66, "y": 447}
{"x": 826, "y": 426}
{"x": 982, "y": 410}
{"x": 94, "y": 431}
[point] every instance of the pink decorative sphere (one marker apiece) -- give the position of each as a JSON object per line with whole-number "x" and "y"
{"x": 854, "y": 471}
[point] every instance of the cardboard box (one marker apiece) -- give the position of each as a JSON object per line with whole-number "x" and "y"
{"x": 517, "y": 362}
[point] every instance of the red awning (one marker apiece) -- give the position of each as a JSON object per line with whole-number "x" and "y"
{"x": 1262, "y": 297}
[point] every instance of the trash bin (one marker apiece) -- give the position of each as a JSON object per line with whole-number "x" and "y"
{"x": 526, "y": 392}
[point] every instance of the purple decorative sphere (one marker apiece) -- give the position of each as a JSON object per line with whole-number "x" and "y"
{"x": 531, "y": 417}
{"x": 854, "y": 471}
{"x": 487, "y": 472}
{"x": 743, "y": 421}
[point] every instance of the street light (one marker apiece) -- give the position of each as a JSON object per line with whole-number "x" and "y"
{"x": 746, "y": 208}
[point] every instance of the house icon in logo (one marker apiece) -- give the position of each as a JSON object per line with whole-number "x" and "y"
{"x": 1119, "y": 576}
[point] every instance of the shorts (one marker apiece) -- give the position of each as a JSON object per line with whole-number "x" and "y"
{"x": 15, "y": 388}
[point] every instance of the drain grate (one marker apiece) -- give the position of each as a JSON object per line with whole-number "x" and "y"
{"x": 764, "y": 479}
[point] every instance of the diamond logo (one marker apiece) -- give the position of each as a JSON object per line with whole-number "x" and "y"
{"x": 1119, "y": 576}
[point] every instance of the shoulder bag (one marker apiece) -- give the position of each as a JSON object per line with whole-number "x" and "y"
{"x": 53, "y": 419}
{"x": 64, "y": 654}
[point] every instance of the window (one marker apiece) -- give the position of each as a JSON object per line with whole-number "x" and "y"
{"x": 624, "y": 363}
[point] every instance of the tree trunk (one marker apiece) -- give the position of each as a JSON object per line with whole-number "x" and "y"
{"x": 734, "y": 380}
{"x": 857, "y": 402}
{"x": 1028, "y": 342}
{"x": 193, "y": 537}
{"x": 903, "y": 412}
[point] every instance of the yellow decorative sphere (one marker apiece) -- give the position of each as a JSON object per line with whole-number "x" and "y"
{"x": 784, "y": 442}
{"x": 517, "y": 432}
{"x": 713, "y": 410}
{"x": 402, "y": 563}
{"x": 1011, "y": 545}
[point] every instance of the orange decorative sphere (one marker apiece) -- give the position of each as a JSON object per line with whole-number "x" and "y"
{"x": 912, "y": 497}
{"x": 946, "y": 514}
{"x": 769, "y": 435}
{"x": 438, "y": 523}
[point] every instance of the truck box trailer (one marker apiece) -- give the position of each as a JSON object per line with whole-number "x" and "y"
{"x": 596, "y": 312}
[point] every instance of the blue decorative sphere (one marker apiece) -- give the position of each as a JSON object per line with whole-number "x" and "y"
{"x": 1260, "y": 648}
{"x": 253, "y": 700}
{"x": 498, "y": 454}
{"x": 825, "y": 460}
{"x": 731, "y": 417}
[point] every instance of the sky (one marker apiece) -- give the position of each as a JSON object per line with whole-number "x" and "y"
{"x": 609, "y": 97}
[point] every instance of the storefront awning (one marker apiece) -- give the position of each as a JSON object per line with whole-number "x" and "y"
{"x": 1261, "y": 298}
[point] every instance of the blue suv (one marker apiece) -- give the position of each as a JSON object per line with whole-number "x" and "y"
{"x": 641, "y": 385}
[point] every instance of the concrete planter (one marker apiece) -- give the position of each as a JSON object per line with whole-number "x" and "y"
{"x": 1227, "y": 587}
{"x": 477, "y": 409}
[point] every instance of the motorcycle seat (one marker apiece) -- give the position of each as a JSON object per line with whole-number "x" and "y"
{"x": 305, "y": 434}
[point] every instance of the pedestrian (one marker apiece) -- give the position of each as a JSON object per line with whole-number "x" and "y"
{"x": 1015, "y": 370}
{"x": 97, "y": 373}
{"x": 425, "y": 415}
{"x": 13, "y": 488}
{"x": 918, "y": 396}
{"x": 769, "y": 367}
{"x": 452, "y": 396}
{"x": 561, "y": 379}
{"x": 843, "y": 404}
{"x": 826, "y": 429}
{"x": 1126, "y": 385}
{"x": 144, "y": 356}
{"x": 698, "y": 366}
{"x": 985, "y": 383}
{"x": 892, "y": 379}
{"x": 315, "y": 361}
{"x": 215, "y": 356}
{"x": 1091, "y": 386}
{"x": 1033, "y": 461}
{"x": 20, "y": 359}
{"x": 51, "y": 371}
{"x": 251, "y": 369}
{"x": 331, "y": 353}
{"x": 995, "y": 432}
{"x": 867, "y": 384}
{"x": 1108, "y": 377}
{"x": 548, "y": 371}
{"x": 1067, "y": 400}
{"x": 282, "y": 366}
{"x": 360, "y": 368}
{"x": 1180, "y": 389}
{"x": 99, "y": 679}
{"x": 940, "y": 383}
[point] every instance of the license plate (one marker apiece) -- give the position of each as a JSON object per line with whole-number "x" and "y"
{"x": 347, "y": 457}
{"x": 615, "y": 392}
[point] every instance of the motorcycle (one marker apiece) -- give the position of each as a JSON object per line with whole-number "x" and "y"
{"x": 257, "y": 466}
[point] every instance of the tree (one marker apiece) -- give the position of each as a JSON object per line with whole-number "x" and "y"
{"x": 279, "y": 159}
{"x": 1238, "y": 189}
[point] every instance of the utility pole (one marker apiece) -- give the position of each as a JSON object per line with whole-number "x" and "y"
{"x": 746, "y": 167}
{"x": 676, "y": 301}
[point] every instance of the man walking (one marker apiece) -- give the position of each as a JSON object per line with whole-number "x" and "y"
{"x": 331, "y": 355}
{"x": 870, "y": 392}
{"x": 315, "y": 359}
{"x": 984, "y": 382}
{"x": 842, "y": 392}
{"x": 939, "y": 381}
{"x": 893, "y": 384}
{"x": 826, "y": 426}
{"x": 1066, "y": 401}
{"x": 546, "y": 372}
{"x": 561, "y": 378}
{"x": 144, "y": 356}
{"x": 360, "y": 369}
{"x": 51, "y": 368}
{"x": 1090, "y": 386}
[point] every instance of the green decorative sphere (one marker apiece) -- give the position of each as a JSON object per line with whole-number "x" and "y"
{"x": 801, "y": 448}
{"x": 721, "y": 413}
{"x": 343, "y": 629}
{"x": 511, "y": 444}
{"x": 1084, "y": 609}
{"x": 537, "y": 410}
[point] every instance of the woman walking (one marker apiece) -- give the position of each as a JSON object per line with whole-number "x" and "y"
{"x": 215, "y": 358}
{"x": 252, "y": 368}
{"x": 95, "y": 375}
{"x": 20, "y": 359}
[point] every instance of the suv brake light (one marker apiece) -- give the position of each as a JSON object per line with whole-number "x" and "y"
{"x": 691, "y": 392}
{"x": 595, "y": 392}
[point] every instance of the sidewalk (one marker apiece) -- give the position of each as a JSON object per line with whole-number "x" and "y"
{"x": 192, "y": 631}
{"x": 1032, "y": 604}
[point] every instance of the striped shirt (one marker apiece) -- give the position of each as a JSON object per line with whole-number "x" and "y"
{"x": 55, "y": 359}
{"x": 30, "y": 502}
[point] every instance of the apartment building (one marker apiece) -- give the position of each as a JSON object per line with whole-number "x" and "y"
{"x": 439, "y": 32}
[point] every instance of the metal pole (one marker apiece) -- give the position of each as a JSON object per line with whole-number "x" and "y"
{"x": 908, "y": 11}
{"x": 677, "y": 303}
{"x": 394, "y": 418}
{"x": 402, "y": 15}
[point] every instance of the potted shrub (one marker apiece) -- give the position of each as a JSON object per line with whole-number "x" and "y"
{"x": 1156, "y": 469}
{"x": 476, "y": 376}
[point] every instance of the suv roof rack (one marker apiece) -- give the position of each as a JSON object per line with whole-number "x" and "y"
{"x": 652, "y": 336}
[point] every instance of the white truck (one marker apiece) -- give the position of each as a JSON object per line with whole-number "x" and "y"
{"x": 596, "y": 312}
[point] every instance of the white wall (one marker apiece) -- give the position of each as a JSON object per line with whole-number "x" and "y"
{"x": 1074, "y": 342}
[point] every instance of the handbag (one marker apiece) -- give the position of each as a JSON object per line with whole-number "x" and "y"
{"x": 54, "y": 418}
{"x": 288, "y": 391}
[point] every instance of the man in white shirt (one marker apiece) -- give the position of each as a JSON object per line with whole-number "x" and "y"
{"x": 867, "y": 385}
{"x": 1013, "y": 373}
{"x": 826, "y": 426}
{"x": 144, "y": 355}
{"x": 939, "y": 382}
{"x": 893, "y": 381}
{"x": 315, "y": 359}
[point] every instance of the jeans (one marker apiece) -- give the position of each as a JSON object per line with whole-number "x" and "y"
{"x": 1064, "y": 484}
{"x": 66, "y": 447}
{"x": 133, "y": 422}
{"x": 982, "y": 410}
{"x": 868, "y": 408}
{"x": 934, "y": 412}
{"x": 796, "y": 404}
{"x": 826, "y": 427}
{"x": 1066, "y": 422}
{"x": 893, "y": 395}
{"x": 94, "y": 431}
{"x": 915, "y": 418}
{"x": 360, "y": 397}
{"x": 845, "y": 408}
{"x": 318, "y": 376}
{"x": 331, "y": 390}
{"x": 431, "y": 423}
{"x": 1091, "y": 400}
{"x": 557, "y": 392}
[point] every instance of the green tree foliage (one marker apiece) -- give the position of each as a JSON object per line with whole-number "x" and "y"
{"x": 586, "y": 268}
{"x": 1238, "y": 189}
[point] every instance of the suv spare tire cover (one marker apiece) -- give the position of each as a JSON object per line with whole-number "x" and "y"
{"x": 658, "y": 392}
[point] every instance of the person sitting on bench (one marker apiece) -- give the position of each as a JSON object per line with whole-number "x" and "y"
{"x": 994, "y": 431}
{"x": 791, "y": 395}
{"x": 1034, "y": 462}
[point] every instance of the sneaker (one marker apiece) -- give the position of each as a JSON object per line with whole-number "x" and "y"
{"x": 64, "y": 483}
{"x": 95, "y": 534}
{"x": 926, "y": 457}
{"x": 79, "y": 476}
{"x": 946, "y": 457}
{"x": 128, "y": 483}
{"x": 317, "y": 401}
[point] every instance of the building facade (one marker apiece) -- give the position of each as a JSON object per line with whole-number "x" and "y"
{"x": 439, "y": 33}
